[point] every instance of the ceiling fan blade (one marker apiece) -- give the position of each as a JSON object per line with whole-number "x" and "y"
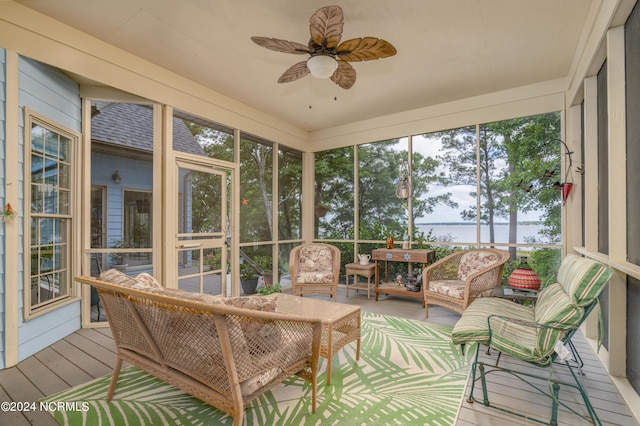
{"x": 344, "y": 76}
{"x": 365, "y": 49}
{"x": 326, "y": 26}
{"x": 294, "y": 73}
{"x": 281, "y": 45}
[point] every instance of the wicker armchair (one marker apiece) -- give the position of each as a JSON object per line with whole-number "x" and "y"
{"x": 315, "y": 268}
{"x": 458, "y": 279}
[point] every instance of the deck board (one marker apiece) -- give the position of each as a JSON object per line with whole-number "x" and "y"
{"x": 81, "y": 359}
{"x": 67, "y": 370}
{"x": 510, "y": 392}
{"x": 90, "y": 353}
{"x": 42, "y": 376}
{"x": 20, "y": 389}
{"x": 98, "y": 352}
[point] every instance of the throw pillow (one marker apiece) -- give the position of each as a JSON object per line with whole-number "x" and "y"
{"x": 114, "y": 276}
{"x": 474, "y": 262}
{"x": 146, "y": 281}
{"x": 258, "y": 303}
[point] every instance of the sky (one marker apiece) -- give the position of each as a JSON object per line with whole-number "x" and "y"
{"x": 431, "y": 147}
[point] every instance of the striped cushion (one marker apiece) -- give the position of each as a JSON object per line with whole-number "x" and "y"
{"x": 583, "y": 279}
{"x": 514, "y": 338}
{"x": 473, "y": 327}
{"x": 554, "y": 308}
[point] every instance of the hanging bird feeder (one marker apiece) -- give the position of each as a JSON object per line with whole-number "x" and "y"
{"x": 403, "y": 188}
{"x": 567, "y": 185}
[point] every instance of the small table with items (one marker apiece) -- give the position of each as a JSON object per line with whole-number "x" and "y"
{"x": 423, "y": 257}
{"x": 356, "y": 269}
{"x": 516, "y": 294}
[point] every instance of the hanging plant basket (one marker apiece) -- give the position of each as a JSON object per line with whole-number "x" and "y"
{"x": 8, "y": 213}
{"x": 321, "y": 211}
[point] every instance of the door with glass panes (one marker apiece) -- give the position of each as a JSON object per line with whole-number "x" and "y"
{"x": 201, "y": 239}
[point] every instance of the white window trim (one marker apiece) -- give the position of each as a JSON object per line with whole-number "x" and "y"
{"x": 31, "y": 117}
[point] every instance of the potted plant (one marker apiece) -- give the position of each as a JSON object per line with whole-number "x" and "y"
{"x": 248, "y": 279}
{"x": 265, "y": 265}
{"x": 321, "y": 209}
{"x": 211, "y": 262}
{"x": 8, "y": 213}
{"x": 267, "y": 287}
{"x": 118, "y": 259}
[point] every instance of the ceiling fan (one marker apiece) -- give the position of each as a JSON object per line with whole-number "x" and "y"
{"x": 328, "y": 58}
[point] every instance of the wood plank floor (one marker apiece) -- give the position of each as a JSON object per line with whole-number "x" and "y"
{"x": 90, "y": 353}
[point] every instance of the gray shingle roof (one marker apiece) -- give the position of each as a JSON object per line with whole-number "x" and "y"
{"x": 131, "y": 125}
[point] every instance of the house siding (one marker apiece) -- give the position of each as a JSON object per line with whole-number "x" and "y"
{"x": 136, "y": 175}
{"x": 3, "y": 245}
{"x": 54, "y": 95}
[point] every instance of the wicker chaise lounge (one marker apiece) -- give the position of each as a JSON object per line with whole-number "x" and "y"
{"x": 224, "y": 351}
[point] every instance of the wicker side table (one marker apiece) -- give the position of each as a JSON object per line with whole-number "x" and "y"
{"x": 355, "y": 269}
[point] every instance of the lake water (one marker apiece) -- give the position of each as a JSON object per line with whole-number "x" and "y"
{"x": 463, "y": 233}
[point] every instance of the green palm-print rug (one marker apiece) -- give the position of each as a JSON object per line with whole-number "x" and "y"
{"x": 409, "y": 373}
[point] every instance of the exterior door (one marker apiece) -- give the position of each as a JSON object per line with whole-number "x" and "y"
{"x": 201, "y": 239}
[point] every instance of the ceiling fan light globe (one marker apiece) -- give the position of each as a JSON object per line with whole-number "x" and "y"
{"x": 322, "y": 66}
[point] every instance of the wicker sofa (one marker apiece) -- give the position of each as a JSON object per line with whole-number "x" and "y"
{"x": 224, "y": 351}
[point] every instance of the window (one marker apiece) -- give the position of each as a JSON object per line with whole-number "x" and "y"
{"x": 137, "y": 225}
{"x": 491, "y": 184}
{"x": 48, "y": 161}
{"x": 333, "y": 194}
{"x": 603, "y": 162}
{"x": 632, "y": 63}
{"x": 380, "y": 212}
{"x": 213, "y": 140}
{"x": 122, "y": 141}
{"x": 289, "y": 194}
{"x": 256, "y": 190}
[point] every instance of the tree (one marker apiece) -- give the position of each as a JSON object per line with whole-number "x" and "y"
{"x": 334, "y": 187}
{"x": 518, "y": 160}
{"x": 289, "y": 194}
{"x": 256, "y": 163}
{"x": 424, "y": 175}
{"x": 380, "y": 212}
{"x": 205, "y": 188}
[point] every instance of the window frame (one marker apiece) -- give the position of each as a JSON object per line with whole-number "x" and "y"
{"x": 67, "y": 295}
{"x": 127, "y": 227}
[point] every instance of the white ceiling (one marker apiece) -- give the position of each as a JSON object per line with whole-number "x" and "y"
{"x": 447, "y": 49}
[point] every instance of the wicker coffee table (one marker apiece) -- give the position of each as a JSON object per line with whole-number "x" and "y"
{"x": 340, "y": 322}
